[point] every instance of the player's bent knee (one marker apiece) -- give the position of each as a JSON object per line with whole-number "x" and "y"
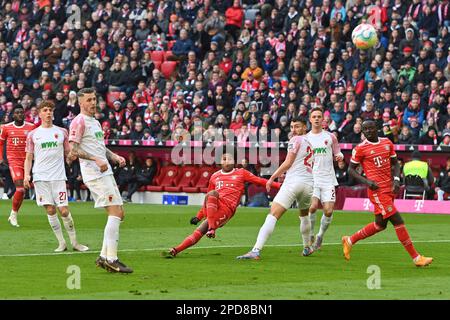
{"x": 277, "y": 210}
{"x": 51, "y": 210}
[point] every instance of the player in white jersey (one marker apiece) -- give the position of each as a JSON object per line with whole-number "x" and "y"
{"x": 48, "y": 145}
{"x": 326, "y": 149}
{"x": 297, "y": 186}
{"x": 87, "y": 143}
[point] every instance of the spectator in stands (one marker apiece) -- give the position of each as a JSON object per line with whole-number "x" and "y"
{"x": 421, "y": 168}
{"x": 443, "y": 183}
{"x": 341, "y": 173}
{"x": 405, "y": 136}
{"x": 355, "y": 136}
{"x": 144, "y": 177}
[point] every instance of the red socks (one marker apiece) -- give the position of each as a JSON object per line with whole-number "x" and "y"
{"x": 18, "y": 198}
{"x": 404, "y": 238}
{"x": 365, "y": 232}
{"x": 211, "y": 212}
{"x": 189, "y": 241}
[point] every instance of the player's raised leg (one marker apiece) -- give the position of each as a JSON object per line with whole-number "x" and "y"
{"x": 69, "y": 225}
{"x": 276, "y": 212}
{"x": 188, "y": 242}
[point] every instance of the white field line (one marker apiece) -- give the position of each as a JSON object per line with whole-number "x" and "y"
{"x": 207, "y": 247}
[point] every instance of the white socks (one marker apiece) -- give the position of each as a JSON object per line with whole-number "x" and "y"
{"x": 68, "y": 224}
{"x": 312, "y": 218}
{"x": 111, "y": 237}
{"x": 265, "y": 232}
{"x": 56, "y": 227}
{"x": 324, "y": 224}
{"x": 305, "y": 230}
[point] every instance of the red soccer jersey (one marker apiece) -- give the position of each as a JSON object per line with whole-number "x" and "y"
{"x": 375, "y": 159}
{"x": 16, "y": 138}
{"x": 231, "y": 185}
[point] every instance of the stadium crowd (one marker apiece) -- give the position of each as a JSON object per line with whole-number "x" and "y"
{"x": 245, "y": 66}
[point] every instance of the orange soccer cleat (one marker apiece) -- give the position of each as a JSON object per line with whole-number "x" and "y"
{"x": 347, "y": 247}
{"x": 422, "y": 261}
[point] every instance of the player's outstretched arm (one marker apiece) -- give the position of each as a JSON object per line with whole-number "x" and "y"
{"x": 355, "y": 175}
{"x": 251, "y": 178}
{"x": 27, "y": 169}
{"x": 76, "y": 151}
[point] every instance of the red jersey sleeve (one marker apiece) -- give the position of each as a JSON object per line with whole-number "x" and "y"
{"x": 357, "y": 155}
{"x": 251, "y": 178}
{"x": 392, "y": 152}
{"x": 3, "y": 133}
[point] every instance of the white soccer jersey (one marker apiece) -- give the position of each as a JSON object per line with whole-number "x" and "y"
{"x": 88, "y": 132}
{"x": 301, "y": 169}
{"x": 326, "y": 147}
{"x": 48, "y": 145}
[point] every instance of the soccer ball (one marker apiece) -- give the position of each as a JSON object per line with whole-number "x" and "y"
{"x": 364, "y": 36}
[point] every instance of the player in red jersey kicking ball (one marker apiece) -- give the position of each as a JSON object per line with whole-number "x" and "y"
{"x": 15, "y": 134}
{"x": 225, "y": 190}
{"x": 378, "y": 158}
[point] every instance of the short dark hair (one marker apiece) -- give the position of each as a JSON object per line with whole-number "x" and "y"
{"x": 299, "y": 119}
{"x": 84, "y": 91}
{"x": 17, "y": 106}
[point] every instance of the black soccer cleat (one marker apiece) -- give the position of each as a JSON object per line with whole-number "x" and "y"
{"x": 117, "y": 267}
{"x": 100, "y": 262}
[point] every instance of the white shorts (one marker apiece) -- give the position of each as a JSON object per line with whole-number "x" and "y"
{"x": 53, "y": 193}
{"x": 290, "y": 192}
{"x": 105, "y": 192}
{"x": 325, "y": 194}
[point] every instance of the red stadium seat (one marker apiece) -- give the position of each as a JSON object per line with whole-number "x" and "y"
{"x": 203, "y": 174}
{"x": 168, "y": 68}
{"x": 157, "y": 65}
{"x": 167, "y": 54}
{"x": 111, "y": 97}
{"x": 157, "y": 56}
{"x": 164, "y": 178}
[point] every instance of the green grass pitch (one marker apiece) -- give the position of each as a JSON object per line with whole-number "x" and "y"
{"x": 30, "y": 269}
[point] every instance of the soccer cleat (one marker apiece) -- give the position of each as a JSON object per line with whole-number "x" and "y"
{"x": 13, "y": 220}
{"x": 317, "y": 244}
{"x": 62, "y": 247}
{"x": 307, "y": 251}
{"x": 347, "y": 247}
{"x": 422, "y": 261}
{"x": 117, "y": 266}
{"x": 80, "y": 248}
{"x": 211, "y": 233}
{"x": 100, "y": 262}
{"x": 249, "y": 256}
{"x": 169, "y": 254}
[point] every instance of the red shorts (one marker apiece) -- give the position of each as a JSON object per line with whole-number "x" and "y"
{"x": 224, "y": 213}
{"x": 383, "y": 203}
{"x": 17, "y": 171}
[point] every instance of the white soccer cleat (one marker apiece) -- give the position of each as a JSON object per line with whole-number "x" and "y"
{"x": 80, "y": 248}
{"x": 13, "y": 220}
{"x": 62, "y": 247}
{"x": 5, "y": 196}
